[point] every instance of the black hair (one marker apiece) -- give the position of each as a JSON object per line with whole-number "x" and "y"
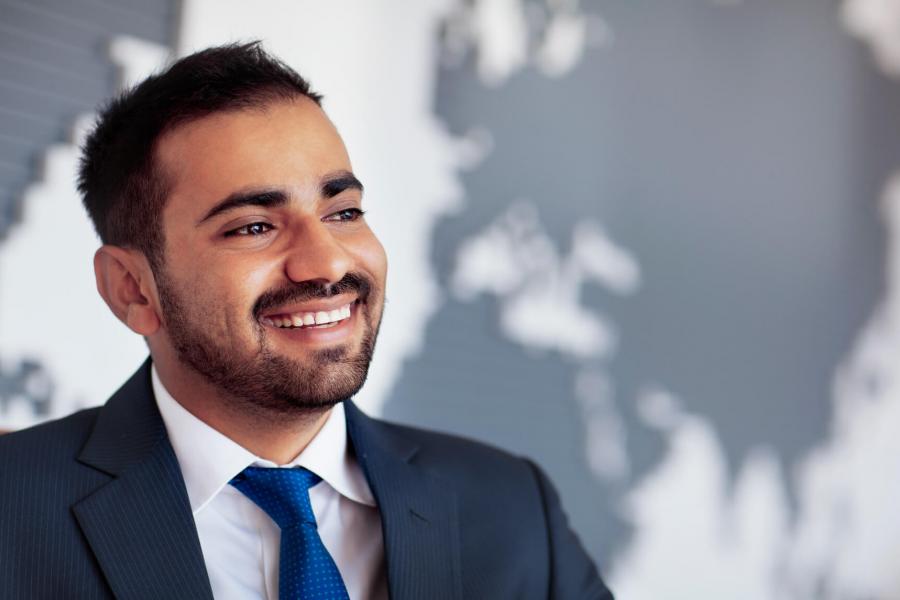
{"x": 123, "y": 188}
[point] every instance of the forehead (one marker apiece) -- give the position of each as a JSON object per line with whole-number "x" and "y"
{"x": 289, "y": 144}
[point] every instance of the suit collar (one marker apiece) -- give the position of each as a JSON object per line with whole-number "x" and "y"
{"x": 139, "y": 524}
{"x": 209, "y": 459}
{"x": 419, "y": 512}
{"x": 141, "y": 530}
{"x": 128, "y": 427}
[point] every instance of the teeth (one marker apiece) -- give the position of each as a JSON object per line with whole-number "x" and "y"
{"x": 308, "y": 318}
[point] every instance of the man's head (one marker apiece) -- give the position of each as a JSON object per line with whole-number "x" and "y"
{"x": 228, "y": 210}
{"x": 123, "y": 186}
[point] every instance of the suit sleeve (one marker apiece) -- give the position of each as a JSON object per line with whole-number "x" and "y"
{"x": 572, "y": 573}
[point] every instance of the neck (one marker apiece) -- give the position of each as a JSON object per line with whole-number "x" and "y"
{"x": 278, "y": 438}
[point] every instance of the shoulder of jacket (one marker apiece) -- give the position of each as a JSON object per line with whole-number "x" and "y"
{"x": 48, "y": 442}
{"x": 458, "y": 457}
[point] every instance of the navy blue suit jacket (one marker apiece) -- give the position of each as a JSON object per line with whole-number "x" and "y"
{"x": 94, "y": 506}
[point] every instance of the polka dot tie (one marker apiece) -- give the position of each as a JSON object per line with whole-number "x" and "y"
{"x": 306, "y": 570}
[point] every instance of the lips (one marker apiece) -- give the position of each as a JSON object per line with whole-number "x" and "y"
{"x": 311, "y": 317}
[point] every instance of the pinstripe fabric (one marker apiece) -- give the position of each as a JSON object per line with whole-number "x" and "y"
{"x": 142, "y": 532}
{"x": 94, "y": 506}
{"x": 418, "y": 514}
{"x": 463, "y": 520}
{"x": 36, "y": 527}
{"x": 140, "y": 525}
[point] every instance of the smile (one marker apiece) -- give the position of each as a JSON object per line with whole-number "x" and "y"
{"x": 301, "y": 320}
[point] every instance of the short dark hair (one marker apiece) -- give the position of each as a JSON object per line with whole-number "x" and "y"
{"x": 122, "y": 187}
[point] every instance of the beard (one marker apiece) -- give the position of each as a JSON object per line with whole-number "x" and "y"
{"x": 264, "y": 382}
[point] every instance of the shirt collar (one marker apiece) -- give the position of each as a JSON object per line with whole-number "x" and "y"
{"x": 209, "y": 459}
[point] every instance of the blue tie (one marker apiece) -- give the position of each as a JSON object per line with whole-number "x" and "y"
{"x": 306, "y": 570}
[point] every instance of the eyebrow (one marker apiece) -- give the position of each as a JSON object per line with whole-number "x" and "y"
{"x": 339, "y": 181}
{"x": 263, "y": 198}
{"x": 332, "y": 185}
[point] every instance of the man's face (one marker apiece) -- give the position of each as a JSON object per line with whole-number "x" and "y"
{"x": 273, "y": 284}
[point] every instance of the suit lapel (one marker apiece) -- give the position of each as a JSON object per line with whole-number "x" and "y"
{"x": 419, "y": 515}
{"x": 142, "y": 532}
{"x": 139, "y": 525}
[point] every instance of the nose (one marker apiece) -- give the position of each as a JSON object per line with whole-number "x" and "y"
{"x": 316, "y": 255}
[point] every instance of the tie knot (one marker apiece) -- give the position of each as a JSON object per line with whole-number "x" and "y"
{"x": 282, "y": 493}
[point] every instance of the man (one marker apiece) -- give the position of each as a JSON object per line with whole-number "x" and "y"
{"x": 232, "y": 464}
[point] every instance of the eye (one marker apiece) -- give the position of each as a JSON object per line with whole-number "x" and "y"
{"x": 348, "y": 214}
{"x": 250, "y": 229}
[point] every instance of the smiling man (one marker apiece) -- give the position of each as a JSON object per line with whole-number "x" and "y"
{"x": 233, "y": 464}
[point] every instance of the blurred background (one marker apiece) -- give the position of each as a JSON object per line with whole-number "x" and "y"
{"x": 652, "y": 245}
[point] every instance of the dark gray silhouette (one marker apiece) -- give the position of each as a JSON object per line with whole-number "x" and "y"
{"x": 738, "y": 152}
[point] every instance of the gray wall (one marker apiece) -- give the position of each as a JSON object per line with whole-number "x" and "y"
{"x": 54, "y": 66}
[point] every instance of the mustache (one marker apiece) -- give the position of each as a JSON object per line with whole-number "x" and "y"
{"x": 308, "y": 290}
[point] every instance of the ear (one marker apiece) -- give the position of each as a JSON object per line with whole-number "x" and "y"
{"x": 125, "y": 281}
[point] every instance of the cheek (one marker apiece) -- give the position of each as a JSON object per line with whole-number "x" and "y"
{"x": 372, "y": 258}
{"x": 229, "y": 290}
{"x": 246, "y": 283}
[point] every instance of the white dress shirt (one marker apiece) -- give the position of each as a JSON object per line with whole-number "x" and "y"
{"x": 240, "y": 541}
